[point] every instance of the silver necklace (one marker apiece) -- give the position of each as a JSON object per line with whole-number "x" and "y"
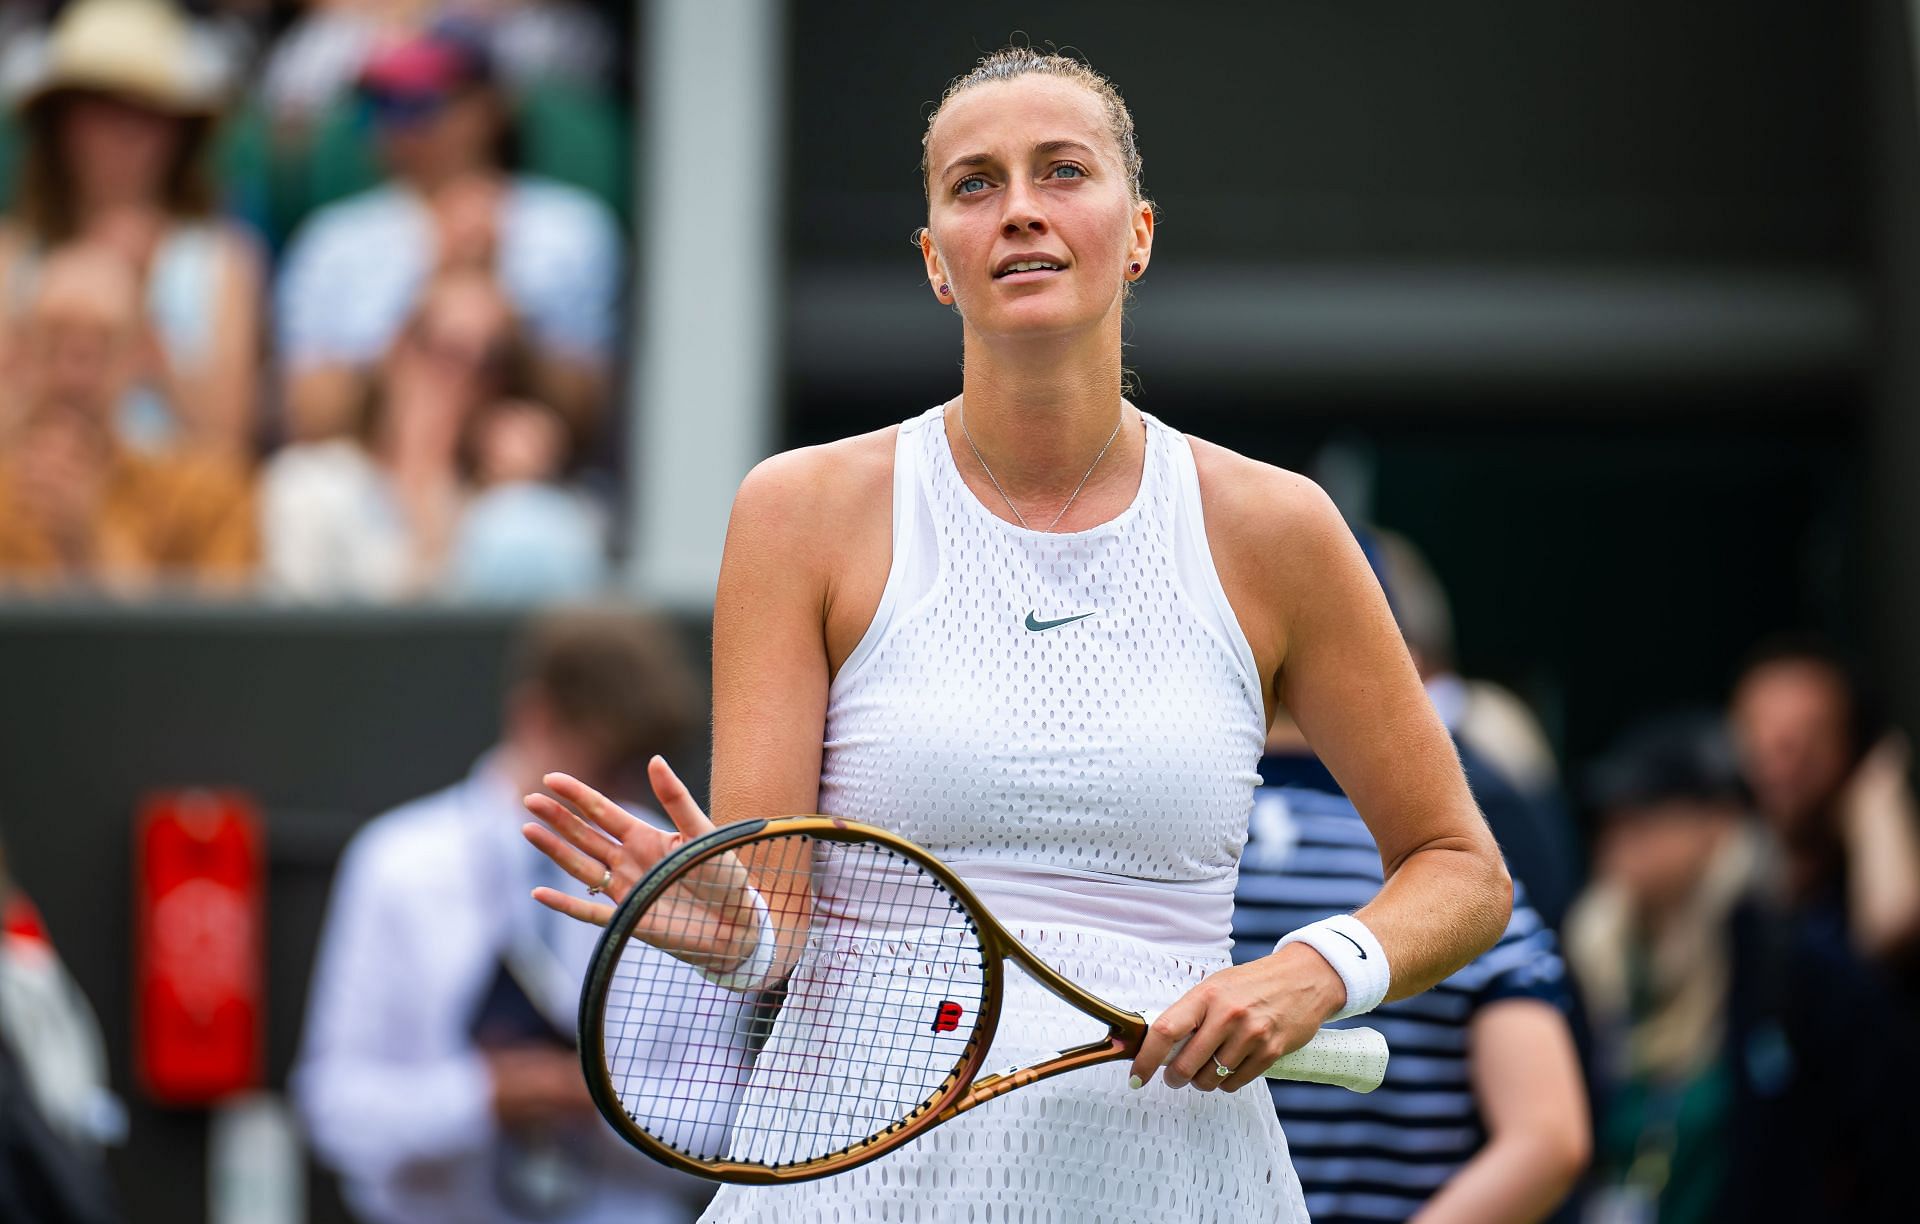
{"x": 1021, "y": 518}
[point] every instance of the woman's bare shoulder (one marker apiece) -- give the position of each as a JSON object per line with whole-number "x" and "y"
{"x": 816, "y": 494}
{"x": 1259, "y": 504}
{"x": 1278, "y": 543}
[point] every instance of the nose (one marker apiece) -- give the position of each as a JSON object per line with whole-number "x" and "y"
{"x": 1021, "y": 213}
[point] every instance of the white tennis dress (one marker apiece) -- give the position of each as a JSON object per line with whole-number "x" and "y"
{"x": 1072, "y": 722}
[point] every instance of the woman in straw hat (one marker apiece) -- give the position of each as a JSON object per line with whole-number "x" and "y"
{"x": 118, "y": 104}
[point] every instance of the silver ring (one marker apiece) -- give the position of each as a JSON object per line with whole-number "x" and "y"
{"x": 1222, "y": 1070}
{"x": 606, "y": 882}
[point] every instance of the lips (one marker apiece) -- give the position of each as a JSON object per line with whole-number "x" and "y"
{"x": 1029, "y": 265}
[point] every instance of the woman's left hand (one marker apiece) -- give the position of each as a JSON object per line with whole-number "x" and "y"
{"x": 1242, "y": 1018}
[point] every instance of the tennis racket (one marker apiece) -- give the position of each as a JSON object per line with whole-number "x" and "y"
{"x": 727, "y": 1054}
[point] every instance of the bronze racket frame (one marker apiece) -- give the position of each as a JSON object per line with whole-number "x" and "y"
{"x": 964, "y": 1089}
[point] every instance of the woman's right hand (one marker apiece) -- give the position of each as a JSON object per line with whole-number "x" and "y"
{"x": 590, "y": 836}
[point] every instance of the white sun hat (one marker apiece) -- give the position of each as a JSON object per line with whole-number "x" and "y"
{"x": 143, "y": 50}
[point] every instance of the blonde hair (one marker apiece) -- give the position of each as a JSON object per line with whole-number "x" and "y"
{"x": 1012, "y": 62}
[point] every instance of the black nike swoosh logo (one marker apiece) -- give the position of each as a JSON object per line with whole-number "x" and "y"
{"x": 1356, "y": 943}
{"x": 1036, "y": 625}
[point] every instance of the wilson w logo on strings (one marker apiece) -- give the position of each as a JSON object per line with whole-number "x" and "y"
{"x": 946, "y": 1017}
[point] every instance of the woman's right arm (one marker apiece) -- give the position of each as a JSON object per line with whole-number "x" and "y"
{"x": 770, "y": 675}
{"x": 769, "y": 644}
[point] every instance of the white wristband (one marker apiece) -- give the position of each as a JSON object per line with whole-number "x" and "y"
{"x": 751, "y": 973}
{"x": 1346, "y": 944}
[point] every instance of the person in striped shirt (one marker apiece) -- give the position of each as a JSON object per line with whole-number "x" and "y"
{"x": 1483, "y": 1116}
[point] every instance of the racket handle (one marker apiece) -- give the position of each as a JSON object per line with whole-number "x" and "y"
{"x": 1354, "y": 1059}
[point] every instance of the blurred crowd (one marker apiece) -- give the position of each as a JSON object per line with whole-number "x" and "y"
{"x": 318, "y": 301}
{"x": 325, "y": 302}
{"x": 1748, "y": 953}
{"x": 1736, "y": 955}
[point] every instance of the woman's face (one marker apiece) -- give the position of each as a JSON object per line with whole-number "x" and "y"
{"x": 1027, "y": 171}
{"x": 459, "y": 341}
{"x": 119, "y": 152}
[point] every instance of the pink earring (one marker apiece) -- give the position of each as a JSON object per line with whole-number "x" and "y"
{"x": 943, "y": 289}
{"x": 1134, "y": 267}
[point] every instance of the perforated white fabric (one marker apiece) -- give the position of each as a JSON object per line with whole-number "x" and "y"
{"x": 1081, "y": 1148}
{"x": 1088, "y": 754}
{"x": 1072, "y": 722}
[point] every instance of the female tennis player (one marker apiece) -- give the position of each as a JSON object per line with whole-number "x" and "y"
{"x": 1042, "y": 634}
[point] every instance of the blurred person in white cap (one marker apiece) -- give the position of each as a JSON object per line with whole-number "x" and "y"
{"x": 118, "y": 100}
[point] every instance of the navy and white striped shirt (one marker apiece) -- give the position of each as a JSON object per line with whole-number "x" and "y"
{"x": 1378, "y": 1156}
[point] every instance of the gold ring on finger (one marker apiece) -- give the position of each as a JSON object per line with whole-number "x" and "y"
{"x": 606, "y": 882}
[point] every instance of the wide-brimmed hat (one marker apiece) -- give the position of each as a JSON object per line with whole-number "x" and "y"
{"x": 142, "y": 50}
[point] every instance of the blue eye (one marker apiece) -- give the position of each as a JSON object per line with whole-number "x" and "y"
{"x": 962, "y": 188}
{"x": 1070, "y": 170}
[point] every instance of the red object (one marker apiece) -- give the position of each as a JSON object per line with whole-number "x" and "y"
{"x": 947, "y": 1017}
{"x": 20, "y": 920}
{"x": 430, "y": 65}
{"x": 199, "y": 908}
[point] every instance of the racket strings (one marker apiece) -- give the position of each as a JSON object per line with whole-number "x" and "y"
{"x": 873, "y": 1021}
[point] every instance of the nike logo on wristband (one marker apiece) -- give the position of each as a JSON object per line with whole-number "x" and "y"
{"x": 1356, "y": 943}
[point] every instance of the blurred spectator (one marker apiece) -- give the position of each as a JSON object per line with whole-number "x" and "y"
{"x": 1502, "y": 750}
{"x": 77, "y": 506}
{"x": 1483, "y": 1115}
{"x": 451, "y": 487}
{"x": 354, "y": 269}
{"x": 56, "y": 1112}
{"x": 1489, "y": 718}
{"x": 437, "y": 1074}
{"x": 1746, "y": 1069}
{"x": 524, "y": 537}
{"x": 119, "y": 103}
{"x": 321, "y": 55}
{"x": 1833, "y": 788}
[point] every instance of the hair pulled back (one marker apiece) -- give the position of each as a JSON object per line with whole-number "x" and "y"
{"x": 1012, "y": 62}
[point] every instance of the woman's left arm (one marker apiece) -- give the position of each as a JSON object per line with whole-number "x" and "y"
{"x": 1347, "y": 680}
{"x": 1312, "y": 606}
